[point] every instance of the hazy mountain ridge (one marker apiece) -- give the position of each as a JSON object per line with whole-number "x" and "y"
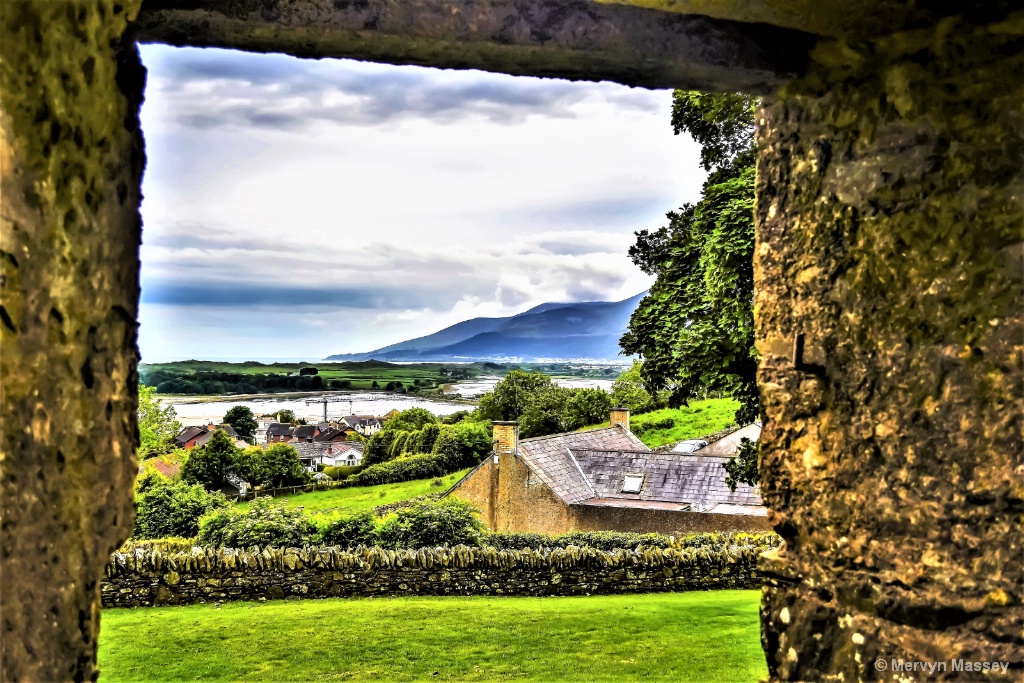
{"x": 587, "y": 330}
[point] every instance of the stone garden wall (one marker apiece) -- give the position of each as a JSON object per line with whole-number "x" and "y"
{"x": 146, "y": 577}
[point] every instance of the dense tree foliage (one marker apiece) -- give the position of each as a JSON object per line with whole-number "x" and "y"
{"x": 411, "y": 419}
{"x": 511, "y": 396}
{"x": 394, "y": 455}
{"x": 286, "y": 416}
{"x": 157, "y": 424}
{"x": 695, "y": 328}
{"x": 742, "y": 468}
{"x": 168, "y": 508}
{"x": 630, "y": 390}
{"x": 211, "y": 463}
{"x": 541, "y": 406}
{"x": 280, "y": 466}
{"x": 243, "y": 421}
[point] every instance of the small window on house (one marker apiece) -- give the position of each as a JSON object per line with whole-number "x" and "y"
{"x": 633, "y": 483}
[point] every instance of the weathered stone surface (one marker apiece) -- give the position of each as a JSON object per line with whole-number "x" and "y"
{"x": 71, "y": 158}
{"x": 134, "y": 579}
{"x": 890, "y": 219}
{"x": 849, "y": 20}
{"x": 572, "y": 39}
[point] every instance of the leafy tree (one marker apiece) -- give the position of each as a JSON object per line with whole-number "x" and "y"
{"x": 286, "y": 416}
{"x": 210, "y": 464}
{"x": 511, "y": 396}
{"x": 544, "y": 412}
{"x": 281, "y": 466}
{"x": 586, "y": 407}
{"x": 374, "y": 385}
{"x": 629, "y": 390}
{"x": 462, "y": 445}
{"x": 157, "y": 424}
{"x": 167, "y": 508}
{"x": 455, "y": 417}
{"x": 695, "y": 329}
{"x": 249, "y": 464}
{"x": 411, "y": 419}
{"x": 378, "y": 448}
{"x": 262, "y": 524}
{"x": 743, "y": 467}
{"x": 243, "y": 421}
{"x": 426, "y": 437}
{"x": 446, "y": 522}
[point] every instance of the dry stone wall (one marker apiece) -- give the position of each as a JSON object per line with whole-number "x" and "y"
{"x": 144, "y": 577}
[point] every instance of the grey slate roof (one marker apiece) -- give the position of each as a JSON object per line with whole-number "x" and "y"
{"x": 304, "y": 431}
{"x": 188, "y": 433}
{"x": 589, "y": 468}
{"x": 668, "y": 477}
{"x": 280, "y": 429}
{"x": 550, "y": 459}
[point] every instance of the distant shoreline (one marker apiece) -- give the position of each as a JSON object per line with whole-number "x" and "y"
{"x": 285, "y": 395}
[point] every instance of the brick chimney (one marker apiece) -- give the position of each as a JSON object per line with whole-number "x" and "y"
{"x": 620, "y": 416}
{"x": 506, "y": 437}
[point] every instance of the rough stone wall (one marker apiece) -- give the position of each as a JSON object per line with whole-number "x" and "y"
{"x": 890, "y": 237}
{"x": 72, "y": 157}
{"x": 510, "y": 498}
{"x": 205, "y": 575}
{"x": 674, "y": 523}
{"x": 525, "y": 503}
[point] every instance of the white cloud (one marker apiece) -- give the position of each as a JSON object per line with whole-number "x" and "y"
{"x": 335, "y": 206}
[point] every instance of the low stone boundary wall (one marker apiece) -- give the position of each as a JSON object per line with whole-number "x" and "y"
{"x": 144, "y": 577}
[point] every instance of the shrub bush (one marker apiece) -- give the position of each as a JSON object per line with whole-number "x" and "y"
{"x": 262, "y": 524}
{"x": 446, "y": 522}
{"x": 168, "y": 508}
{"x": 348, "y": 532}
{"x": 342, "y": 471}
{"x": 642, "y": 427}
{"x": 402, "y": 469}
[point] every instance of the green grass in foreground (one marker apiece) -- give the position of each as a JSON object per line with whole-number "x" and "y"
{"x": 360, "y": 498}
{"x": 700, "y": 418}
{"x": 700, "y": 636}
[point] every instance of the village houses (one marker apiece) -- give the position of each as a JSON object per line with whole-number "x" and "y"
{"x": 605, "y": 480}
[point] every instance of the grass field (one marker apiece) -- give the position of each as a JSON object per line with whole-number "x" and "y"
{"x": 361, "y": 374}
{"x": 357, "y": 499}
{"x": 697, "y": 419}
{"x": 699, "y": 636}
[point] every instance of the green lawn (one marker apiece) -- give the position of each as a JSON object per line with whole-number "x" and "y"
{"x": 697, "y": 419}
{"x": 699, "y": 636}
{"x": 359, "y": 498}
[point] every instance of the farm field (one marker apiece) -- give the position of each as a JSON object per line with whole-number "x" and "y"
{"x": 697, "y": 419}
{"x": 699, "y": 636}
{"x": 357, "y": 499}
{"x": 359, "y": 375}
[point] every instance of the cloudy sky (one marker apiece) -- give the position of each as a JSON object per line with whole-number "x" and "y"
{"x": 298, "y": 208}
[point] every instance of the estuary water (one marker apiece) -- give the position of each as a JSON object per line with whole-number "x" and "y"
{"x": 201, "y": 411}
{"x": 196, "y": 412}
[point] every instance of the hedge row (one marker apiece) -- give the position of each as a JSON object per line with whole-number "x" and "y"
{"x": 284, "y": 559}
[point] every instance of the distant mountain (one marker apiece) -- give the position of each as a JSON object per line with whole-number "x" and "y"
{"x": 588, "y": 330}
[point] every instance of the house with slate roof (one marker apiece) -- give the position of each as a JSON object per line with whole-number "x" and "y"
{"x": 280, "y": 432}
{"x": 605, "y": 480}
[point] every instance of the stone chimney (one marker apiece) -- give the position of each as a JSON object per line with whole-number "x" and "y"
{"x": 506, "y": 437}
{"x": 620, "y": 416}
